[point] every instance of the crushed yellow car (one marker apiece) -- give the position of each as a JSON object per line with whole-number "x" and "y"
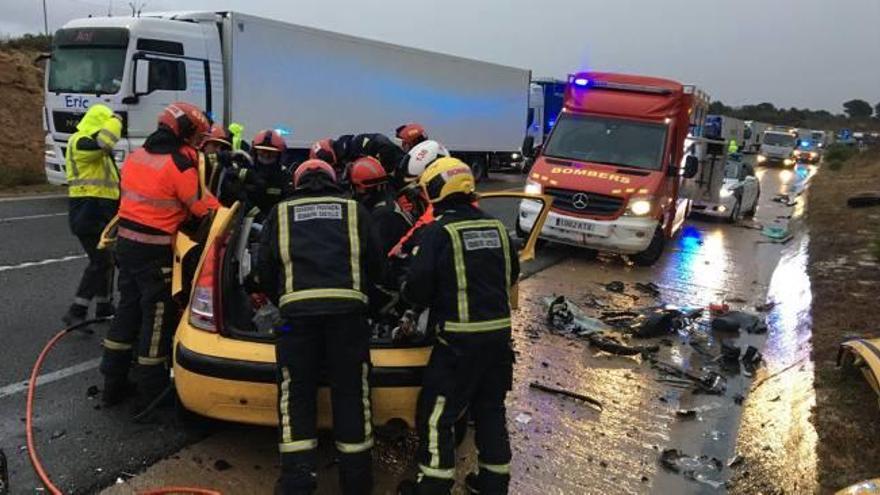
{"x": 225, "y": 369}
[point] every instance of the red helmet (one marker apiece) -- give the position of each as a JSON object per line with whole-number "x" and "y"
{"x": 366, "y": 172}
{"x": 184, "y": 119}
{"x": 218, "y": 134}
{"x": 269, "y": 140}
{"x": 411, "y": 134}
{"x": 323, "y": 150}
{"x": 310, "y": 167}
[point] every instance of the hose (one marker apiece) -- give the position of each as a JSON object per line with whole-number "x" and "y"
{"x": 29, "y": 419}
{"x": 32, "y": 387}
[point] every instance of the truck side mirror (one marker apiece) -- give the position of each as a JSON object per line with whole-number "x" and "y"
{"x": 691, "y": 165}
{"x": 528, "y": 146}
{"x": 141, "y": 76}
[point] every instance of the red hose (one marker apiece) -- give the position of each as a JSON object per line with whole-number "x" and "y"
{"x": 29, "y": 419}
{"x": 29, "y": 423}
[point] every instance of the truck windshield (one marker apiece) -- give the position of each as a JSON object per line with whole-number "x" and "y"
{"x": 604, "y": 140}
{"x": 88, "y": 61}
{"x": 779, "y": 140}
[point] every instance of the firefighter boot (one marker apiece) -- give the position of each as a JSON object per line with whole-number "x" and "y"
{"x": 117, "y": 390}
{"x": 104, "y": 310}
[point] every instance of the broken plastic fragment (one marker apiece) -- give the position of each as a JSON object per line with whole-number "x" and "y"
{"x": 523, "y": 418}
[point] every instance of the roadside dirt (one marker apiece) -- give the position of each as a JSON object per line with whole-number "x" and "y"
{"x": 21, "y": 98}
{"x": 844, "y": 273}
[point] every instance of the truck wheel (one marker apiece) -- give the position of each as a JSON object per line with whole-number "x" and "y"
{"x": 653, "y": 252}
{"x": 735, "y": 213}
{"x": 480, "y": 169}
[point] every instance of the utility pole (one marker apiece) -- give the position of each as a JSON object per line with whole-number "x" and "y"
{"x": 45, "y": 19}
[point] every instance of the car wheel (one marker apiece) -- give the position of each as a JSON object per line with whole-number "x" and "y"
{"x": 653, "y": 252}
{"x": 480, "y": 169}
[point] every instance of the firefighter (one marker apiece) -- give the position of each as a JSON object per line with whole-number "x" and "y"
{"x": 217, "y": 139}
{"x": 324, "y": 150}
{"x": 160, "y": 191}
{"x": 269, "y": 179}
{"x": 463, "y": 271}
{"x": 370, "y": 187}
{"x": 93, "y": 181}
{"x": 350, "y": 147}
{"x": 319, "y": 267}
{"x": 410, "y": 196}
{"x": 732, "y": 147}
{"x": 410, "y": 135}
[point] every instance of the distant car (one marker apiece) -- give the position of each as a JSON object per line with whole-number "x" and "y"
{"x": 806, "y": 152}
{"x": 738, "y": 196}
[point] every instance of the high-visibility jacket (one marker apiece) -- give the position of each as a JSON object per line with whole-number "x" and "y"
{"x": 91, "y": 171}
{"x": 161, "y": 186}
{"x": 732, "y": 146}
{"x": 317, "y": 256}
{"x": 463, "y": 270}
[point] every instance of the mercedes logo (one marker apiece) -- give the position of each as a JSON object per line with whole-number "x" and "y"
{"x": 580, "y": 200}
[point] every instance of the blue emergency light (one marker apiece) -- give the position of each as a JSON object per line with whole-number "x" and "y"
{"x": 282, "y": 131}
{"x": 805, "y": 143}
{"x": 582, "y": 82}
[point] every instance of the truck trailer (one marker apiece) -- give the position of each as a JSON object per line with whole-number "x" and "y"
{"x": 265, "y": 74}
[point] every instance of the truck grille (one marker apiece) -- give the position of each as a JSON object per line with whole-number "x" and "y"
{"x": 65, "y": 122}
{"x": 573, "y": 201}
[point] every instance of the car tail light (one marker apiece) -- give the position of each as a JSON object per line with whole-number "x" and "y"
{"x": 205, "y": 309}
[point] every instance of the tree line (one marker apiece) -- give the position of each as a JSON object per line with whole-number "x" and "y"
{"x": 857, "y": 115}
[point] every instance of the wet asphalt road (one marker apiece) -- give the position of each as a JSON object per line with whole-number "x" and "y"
{"x": 93, "y": 447}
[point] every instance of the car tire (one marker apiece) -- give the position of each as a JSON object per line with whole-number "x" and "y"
{"x": 653, "y": 252}
{"x": 480, "y": 169}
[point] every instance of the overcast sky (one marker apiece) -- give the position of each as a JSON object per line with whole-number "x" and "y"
{"x": 803, "y": 53}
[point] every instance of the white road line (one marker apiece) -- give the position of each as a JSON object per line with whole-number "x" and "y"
{"x": 13, "y": 199}
{"x": 14, "y": 388}
{"x": 28, "y": 264}
{"x": 33, "y": 217}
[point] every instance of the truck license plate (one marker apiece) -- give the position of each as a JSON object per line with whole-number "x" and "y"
{"x": 580, "y": 226}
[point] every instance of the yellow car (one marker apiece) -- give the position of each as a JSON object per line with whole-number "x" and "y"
{"x": 225, "y": 369}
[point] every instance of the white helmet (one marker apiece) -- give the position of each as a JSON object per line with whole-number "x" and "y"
{"x": 418, "y": 158}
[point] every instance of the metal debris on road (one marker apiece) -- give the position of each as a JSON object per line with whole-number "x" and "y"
{"x": 573, "y": 395}
{"x": 711, "y": 383}
{"x": 612, "y": 346}
{"x": 565, "y": 316}
{"x": 864, "y": 199}
{"x": 763, "y": 308}
{"x": 734, "y": 321}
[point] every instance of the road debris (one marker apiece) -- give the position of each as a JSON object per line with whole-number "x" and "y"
{"x": 735, "y": 461}
{"x": 564, "y": 316}
{"x": 686, "y": 414}
{"x": 649, "y": 288}
{"x": 612, "y": 346}
{"x": 776, "y": 234}
{"x": 615, "y": 286}
{"x": 221, "y": 465}
{"x": 573, "y": 395}
{"x": 730, "y": 353}
{"x": 864, "y": 199}
{"x": 703, "y": 469}
{"x": 734, "y": 321}
{"x": 718, "y": 308}
{"x": 785, "y": 199}
{"x": 659, "y": 322}
{"x": 523, "y": 418}
{"x": 767, "y": 306}
{"x": 92, "y": 391}
{"x": 57, "y": 434}
{"x": 711, "y": 383}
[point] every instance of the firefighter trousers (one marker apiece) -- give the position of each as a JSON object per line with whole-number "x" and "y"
{"x": 466, "y": 373}
{"x": 145, "y": 318}
{"x": 97, "y": 279}
{"x": 311, "y": 347}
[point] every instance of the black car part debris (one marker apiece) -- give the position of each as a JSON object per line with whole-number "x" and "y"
{"x": 734, "y": 321}
{"x": 565, "y": 393}
{"x": 612, "y": 346}
{"x": 565, "y": 316}
{"x": 703, "y": 469}
{"x": 649, "y": 288}
{"x": 615, "y": 286}
{"x": 711, "y": 383}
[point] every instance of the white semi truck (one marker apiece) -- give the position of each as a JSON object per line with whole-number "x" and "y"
{"x": 262, "y": 73}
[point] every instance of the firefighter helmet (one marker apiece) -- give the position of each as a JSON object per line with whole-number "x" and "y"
{"x": 366, "y": 172}
{"x": 445, "y": 177}
{"x": 269, "y": 140}
{"x": 417, "y": 159}
{"x": 311, "y": 167}
{"x": 184, "y": 120}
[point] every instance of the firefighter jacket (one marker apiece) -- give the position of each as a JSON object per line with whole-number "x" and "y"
{"x": 161, "y": 187}
{"x": 317, "y": 256}
{"x": 463, "y": 270}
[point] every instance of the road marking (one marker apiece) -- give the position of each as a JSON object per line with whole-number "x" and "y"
{"x": 14, "y": 388}
{"x": 12, "y": 199}
{"x": 32, "y": 217}
{"x": 28, "y": 264}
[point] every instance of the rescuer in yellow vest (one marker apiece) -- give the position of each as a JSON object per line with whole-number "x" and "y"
{"x": 93, "y": 185}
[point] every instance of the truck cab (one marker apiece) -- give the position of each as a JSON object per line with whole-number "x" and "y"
{"x": 777, "y": 147}
{"x": 614, "y": 164}
{"x": 136, "y": 66}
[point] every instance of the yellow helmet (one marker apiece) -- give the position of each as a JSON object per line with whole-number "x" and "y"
{"x": 447, "y": 176}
